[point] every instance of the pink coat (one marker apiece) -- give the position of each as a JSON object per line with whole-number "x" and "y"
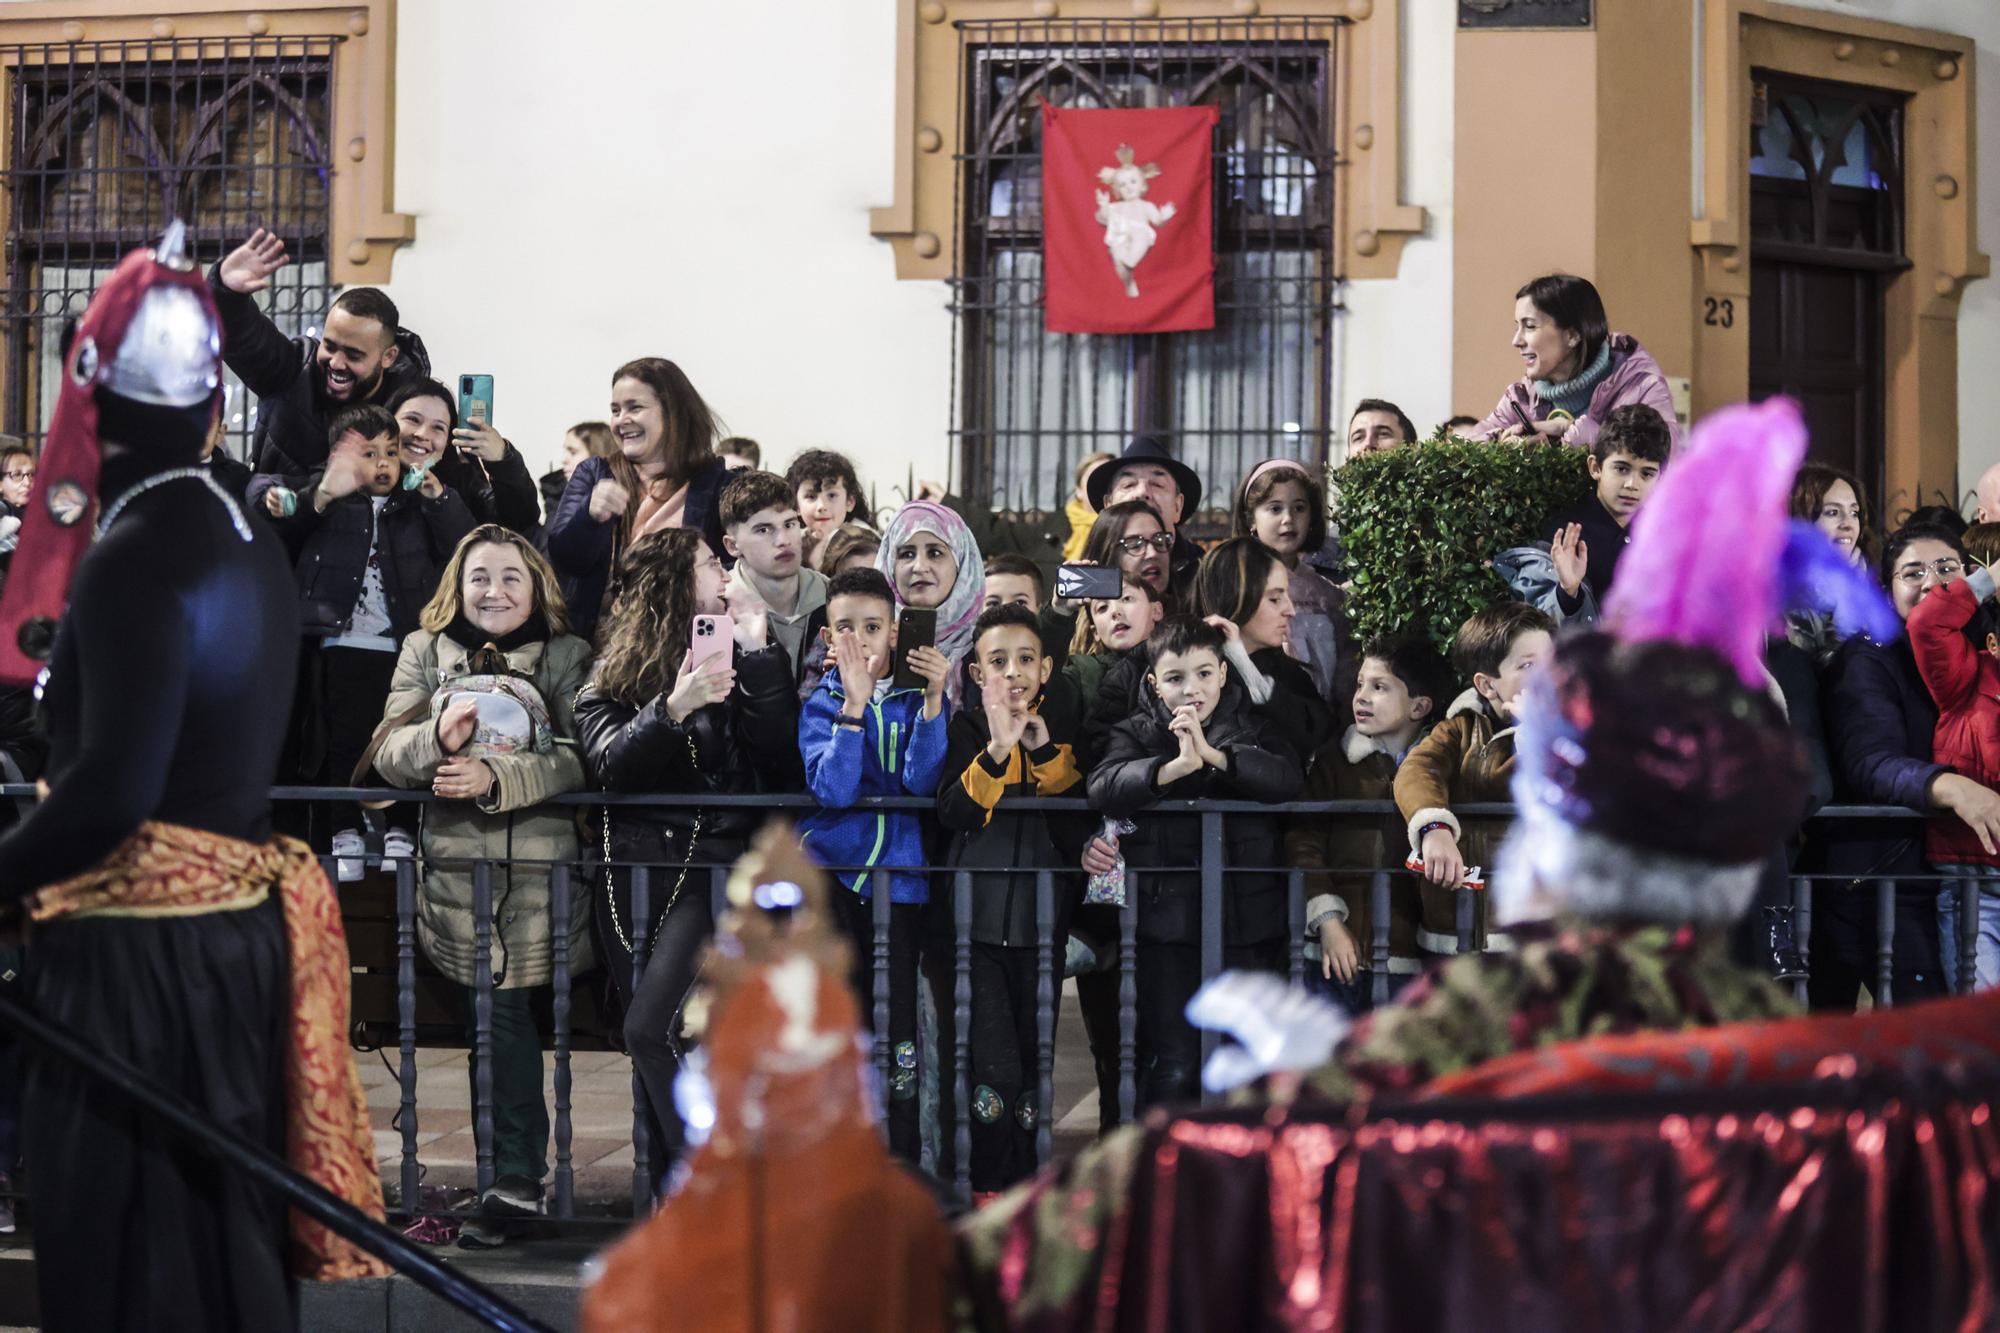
{"x": 1634, "y": 378}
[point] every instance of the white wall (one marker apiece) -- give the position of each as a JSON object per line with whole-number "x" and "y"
{"x": 1979, "y": 313}
{"x": 680, "y": 180}
{"x": 1394, "y": 341}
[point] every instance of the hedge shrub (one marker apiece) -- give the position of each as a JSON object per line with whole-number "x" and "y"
{"x": 1418, "y": 525}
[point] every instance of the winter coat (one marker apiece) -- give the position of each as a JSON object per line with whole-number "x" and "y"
{"x": 330, "y": 554}
{"x": 1965, "y": 683}
{"x": 1303, "y": 715}
{"x": 293, "y": 411}
{"x": 508, "y": 826}
{"x": 551, "y": 485}
{"x": 1001, "y": 843}
{"x": 1355, "y": 768}
{"x": 1261, "y": 768}
{"x": 898, "y": 752}
{"x": 1122, "y": 692}
{"x": 1466, "y": 759}
{"x": 747, "y": 743}
{"x": 582, "y": 549}
{"x": 1320, "y": 635}
{"x": 1530, "y": 574}
{"x": 501, "y": 492}
{"x": 1634, "y": 377}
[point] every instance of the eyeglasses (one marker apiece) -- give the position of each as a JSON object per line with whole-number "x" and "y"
{"x": 1158, "y": 541}
{"x": 1915, "y": 576}
{"x": 28, "y": 475}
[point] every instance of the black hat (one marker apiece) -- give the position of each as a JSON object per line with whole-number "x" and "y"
{"x": 1146, "y": 449}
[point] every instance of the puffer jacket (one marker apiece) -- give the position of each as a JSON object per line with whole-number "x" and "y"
{"x": 582, "y": 549}
{"x": 1964, "y": 681}
{"x": 501, "y": 492}
{"x": 1634, "y": 377}
{"x": 897, "y": 752}
{"x": 292, "y": 407}
{"x": 330, "y": 554}
{"x": 747, "y": 743}
{"x": 1261, "y": 768}
{"x": 1466, "y": 759}
{"x": 509, "y": 824}
{"x": 998, "y": 844}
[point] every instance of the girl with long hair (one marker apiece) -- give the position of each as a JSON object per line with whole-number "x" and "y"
{"x": 1283, "y": 506}
{"x": 651, "y": 721}
{"x": 665, "y": 474}
{"x": 1245, "y": 591}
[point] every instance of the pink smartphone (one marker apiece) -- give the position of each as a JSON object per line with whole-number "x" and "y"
{"x": 710, "y": 639}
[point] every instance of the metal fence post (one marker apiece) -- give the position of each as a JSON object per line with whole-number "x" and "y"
{"x": 961, "y": 1032}
{"x": 406, "y": 1031}
{"x": 718, "y": 892}
{"x": 1885, "y": 943}
{"x": 1045, "y": 1011}
{"x": 1802, "y": 908}
{"x": 1378, "y": 928}
{"x": 1967, "y": 889}
{"x": 1211, "y": 919}
{"x": 1128, "y": 999}
{"x": 642, "y": 1136}
{"x": 1295, "y": 918}
{"x": 1464, "y": 906}
{"x": 564, "y": 1203}
{"x": 482, "y": 1021}
{"x": 879, "y": 897}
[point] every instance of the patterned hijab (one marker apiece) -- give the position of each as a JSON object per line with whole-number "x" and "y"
{"x": 968, "y": 593}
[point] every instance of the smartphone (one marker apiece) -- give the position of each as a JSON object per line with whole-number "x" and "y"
{"x": 1086, "y": 583}
{"x": 915, "y": 628}
{"x": 475, "y": 399}
{"x": 708, "y": 640}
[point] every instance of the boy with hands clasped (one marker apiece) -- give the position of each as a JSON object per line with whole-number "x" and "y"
{"x": 860, "y": 736}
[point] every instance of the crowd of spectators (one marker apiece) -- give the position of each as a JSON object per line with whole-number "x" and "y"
{"x": 662, "y": 614}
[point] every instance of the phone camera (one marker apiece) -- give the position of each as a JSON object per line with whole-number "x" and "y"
{"x": 704, "y": 628}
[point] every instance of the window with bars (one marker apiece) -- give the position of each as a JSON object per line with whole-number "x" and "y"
{"x": 1031, "y": 404}
{"x": 108, "y": 141}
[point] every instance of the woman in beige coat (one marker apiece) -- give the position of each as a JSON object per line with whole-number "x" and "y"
{"x": 479, "y": 712}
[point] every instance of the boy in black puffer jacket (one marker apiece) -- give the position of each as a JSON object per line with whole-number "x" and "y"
{"x": 368, "y": 555}
{"x": 1015, "y": 737}
{"x": 1196, "y": 737}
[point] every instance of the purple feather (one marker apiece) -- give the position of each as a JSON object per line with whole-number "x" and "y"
{"x": 1813, "y": 575}
{"x": 1702, "y": 567}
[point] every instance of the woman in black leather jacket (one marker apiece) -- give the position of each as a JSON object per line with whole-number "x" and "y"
{"x": 651, "y": 723}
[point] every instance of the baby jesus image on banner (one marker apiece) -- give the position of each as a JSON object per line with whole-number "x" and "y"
{"x": 1127, "y": 226}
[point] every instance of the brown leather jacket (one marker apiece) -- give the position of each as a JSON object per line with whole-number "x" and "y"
{"x": 1467, "y": 758}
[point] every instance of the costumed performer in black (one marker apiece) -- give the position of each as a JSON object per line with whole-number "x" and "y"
{"x": 167, "y": 926}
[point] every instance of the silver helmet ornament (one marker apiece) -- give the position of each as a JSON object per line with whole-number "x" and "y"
{"x": 171, "y": 354}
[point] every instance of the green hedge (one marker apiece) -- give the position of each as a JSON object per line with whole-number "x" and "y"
{"x": 1419, "y": 524}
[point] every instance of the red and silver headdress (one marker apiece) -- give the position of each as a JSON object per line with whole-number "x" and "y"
{"x": 150, "y": 335}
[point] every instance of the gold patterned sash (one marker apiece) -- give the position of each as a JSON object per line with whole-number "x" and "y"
{"x": 169, "y": 870}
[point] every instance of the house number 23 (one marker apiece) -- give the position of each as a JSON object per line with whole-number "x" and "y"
{"x": 1720, "y": 313}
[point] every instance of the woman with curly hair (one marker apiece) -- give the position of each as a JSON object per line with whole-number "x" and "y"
{"x": 651, "y": 721}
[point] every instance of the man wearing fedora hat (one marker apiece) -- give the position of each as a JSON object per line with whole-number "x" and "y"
{"x": 1148, "y": 471}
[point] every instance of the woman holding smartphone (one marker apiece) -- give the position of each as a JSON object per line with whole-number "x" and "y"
{"x": 666, "y": 713}
{"x": 470, "y": 457}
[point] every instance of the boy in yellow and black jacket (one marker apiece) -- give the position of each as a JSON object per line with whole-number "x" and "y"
{"x": 1014, "y": 736}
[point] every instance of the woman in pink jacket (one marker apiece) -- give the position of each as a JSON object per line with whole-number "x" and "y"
{"x": 1575, "y": 370}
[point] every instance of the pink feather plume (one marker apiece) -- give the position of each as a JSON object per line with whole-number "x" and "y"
{"x": 1702, "y": 567}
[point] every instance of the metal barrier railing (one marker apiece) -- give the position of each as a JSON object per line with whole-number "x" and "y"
{"x": 953, "y": 970}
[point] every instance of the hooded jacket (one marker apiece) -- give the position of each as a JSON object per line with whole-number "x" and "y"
{"x": 1468, "y": 758}
{"x": 1000, "y": 842}
{"x": 1261, "y": 768}
{"x": 1355, "y": 768}
{"x": 1964, "y": 681}
{"x": 415, "y": 541}
{"x": 1634, "y": 377}
{"x": 293, "y": 410}
{"x": 897, "y": 752}
{"x": 582, "y": 549}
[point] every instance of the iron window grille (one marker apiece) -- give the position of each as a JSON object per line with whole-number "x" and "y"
{"x": 109, "y": 141}
{"x": 1031, "y": 404}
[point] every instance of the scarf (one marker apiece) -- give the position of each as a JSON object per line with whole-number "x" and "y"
{"x": 968, "y": 591}
{"x": 470, "y": 637}
{"x": 1573, "y": 395}
{"x": 169, "y": 870}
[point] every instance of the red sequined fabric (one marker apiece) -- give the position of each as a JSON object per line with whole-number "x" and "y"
{"x": 1810, "y": 1174}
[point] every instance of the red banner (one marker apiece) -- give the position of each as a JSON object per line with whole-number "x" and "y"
{"x": 1127, "y": 228}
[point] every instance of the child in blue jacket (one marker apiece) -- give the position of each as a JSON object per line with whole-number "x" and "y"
{"x": 860, "y": 736}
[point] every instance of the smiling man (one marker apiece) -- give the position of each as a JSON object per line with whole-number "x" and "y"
{"x": 1147, "y": 471}
{"x": 362, "y": 355}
